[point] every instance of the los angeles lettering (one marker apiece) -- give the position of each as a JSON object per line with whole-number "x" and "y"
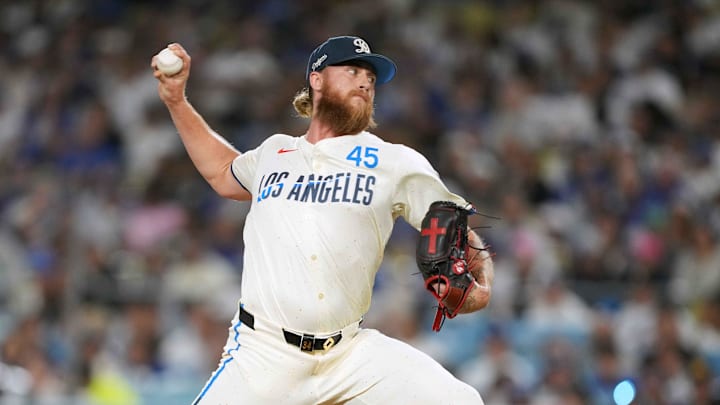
{"x": 343, "y": 187}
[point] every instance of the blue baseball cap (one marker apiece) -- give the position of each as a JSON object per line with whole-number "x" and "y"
{"x": 336, "y": 50}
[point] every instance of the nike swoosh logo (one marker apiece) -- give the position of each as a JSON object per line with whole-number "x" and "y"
{"x": 283, "y": 150}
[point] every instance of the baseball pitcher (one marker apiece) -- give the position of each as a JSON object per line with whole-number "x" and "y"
{"x": 323, "y": 205}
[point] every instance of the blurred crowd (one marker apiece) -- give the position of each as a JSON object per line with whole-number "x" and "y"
{"x": 591, "y": 129}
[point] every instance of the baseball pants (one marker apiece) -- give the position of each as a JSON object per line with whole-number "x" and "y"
{"x": 259, "y": 366}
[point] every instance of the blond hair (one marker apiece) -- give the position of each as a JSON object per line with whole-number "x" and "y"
{"x": 303, "y": 103}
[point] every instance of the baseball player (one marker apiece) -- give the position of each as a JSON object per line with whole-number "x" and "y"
{"x": 323, "y": 206}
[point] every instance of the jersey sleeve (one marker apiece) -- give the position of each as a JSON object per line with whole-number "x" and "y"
{"x": 419, "y": 186}
{"x": 244, "y": 167}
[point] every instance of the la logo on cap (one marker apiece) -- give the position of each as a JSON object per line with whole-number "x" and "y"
{"x": 362, "y": 46}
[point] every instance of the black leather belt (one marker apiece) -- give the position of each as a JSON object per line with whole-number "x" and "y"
{"x": 306, "y": 342}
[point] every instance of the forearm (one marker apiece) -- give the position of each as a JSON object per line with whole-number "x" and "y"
{"x": 481, "y": 267}
{"x": 211, "y": 154}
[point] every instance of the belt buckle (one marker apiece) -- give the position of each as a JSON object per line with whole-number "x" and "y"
{"x": 329, "y": 343}
{"x": 307, "y": 343}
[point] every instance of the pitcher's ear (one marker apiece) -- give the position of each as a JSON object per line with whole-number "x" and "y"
{"x": 315, "y": 80}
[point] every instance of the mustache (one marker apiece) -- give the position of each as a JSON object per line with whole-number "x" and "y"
{"x": 360, "y": 93}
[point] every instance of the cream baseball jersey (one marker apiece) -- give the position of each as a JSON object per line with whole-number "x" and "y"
{"x": 320, "y": 218}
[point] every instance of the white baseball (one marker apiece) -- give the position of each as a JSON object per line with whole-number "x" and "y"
{"x": 168, "y": 63}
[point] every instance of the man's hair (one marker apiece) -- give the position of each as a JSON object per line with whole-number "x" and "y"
{"x": 303, "y": 102}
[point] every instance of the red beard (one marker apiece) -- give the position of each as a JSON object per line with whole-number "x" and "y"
{"x": 343, "y": 116}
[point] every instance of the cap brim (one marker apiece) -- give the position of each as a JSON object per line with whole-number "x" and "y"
{"x": 384, "y": 67}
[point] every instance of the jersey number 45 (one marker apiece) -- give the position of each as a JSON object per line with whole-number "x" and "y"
{"x": 365, "y": 155}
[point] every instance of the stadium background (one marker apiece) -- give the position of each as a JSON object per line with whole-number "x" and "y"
{"x": 592, "y": 129}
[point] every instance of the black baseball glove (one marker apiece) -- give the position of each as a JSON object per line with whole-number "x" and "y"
{"x": 441, "y": 255}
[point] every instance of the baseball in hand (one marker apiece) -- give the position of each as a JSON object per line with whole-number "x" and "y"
{"x": 168, "y": 63}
